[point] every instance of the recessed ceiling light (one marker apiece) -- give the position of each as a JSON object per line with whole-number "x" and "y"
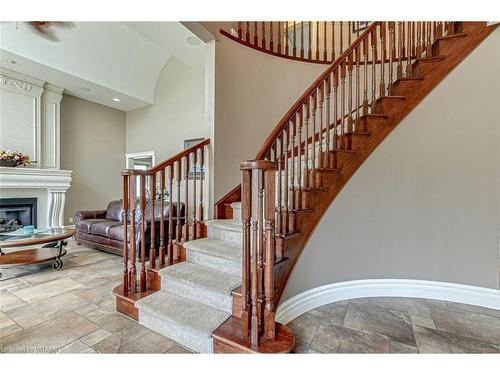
{"x": 10, "y": 61}
{"x": 86, "y": 89}
{"x": 116, "y": 99}
{"x": 193, "y": 41}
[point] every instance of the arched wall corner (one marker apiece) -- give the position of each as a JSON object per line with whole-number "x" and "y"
{"x": 325, "y": 294}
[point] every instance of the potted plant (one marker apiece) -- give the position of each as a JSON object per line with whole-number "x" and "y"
{"x": 11, "y": 158}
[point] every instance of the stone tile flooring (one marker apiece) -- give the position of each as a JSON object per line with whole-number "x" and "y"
{"x": 397, "y": 325}
{"x": 73, "y": 311}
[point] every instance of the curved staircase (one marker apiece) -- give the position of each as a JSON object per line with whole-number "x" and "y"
{"x": 224, "y": 296}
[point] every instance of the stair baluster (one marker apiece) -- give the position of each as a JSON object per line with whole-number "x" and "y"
{"x": 195, "y": 224}
{"x": 399, "y": 69}
{"x": 279, "y": 37}
{"x": 325, "y": 52}
{"x": 350, "y": 126}
{"x": 302, "y": 40}
{"x": 382, "y": 59}
{"x": 328, "y": 122}
{"x": 162, "y": 220}
{"x": 294, "y": 52}
{"x": 320, "y": 114}
{"x": 333, "y": 41}
{"x": 317, "y": 40}
{"x": 358, "y": 104}
{"x": 374, "y": 65}
{"x": 299, "y": 166}
{"x": 392, "y": 54}
{"x": 143, "y": 283}
{"x": 201, "y": 212}
{"x": 171, "y": 235}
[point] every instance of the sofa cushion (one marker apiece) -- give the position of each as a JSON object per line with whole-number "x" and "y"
{"x": 85, "y": 225}
{"x": 102, "y": 228}
{"x": 116, "y": 233}
{"x": 114, "y": 210}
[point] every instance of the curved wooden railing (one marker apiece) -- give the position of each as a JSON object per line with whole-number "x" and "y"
{"x": 318, "y": 126}
{"x": 315, "y": 42}
{"x": 146, "y": 194}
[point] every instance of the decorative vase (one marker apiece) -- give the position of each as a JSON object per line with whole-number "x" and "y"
{"x": 9, "y": 163}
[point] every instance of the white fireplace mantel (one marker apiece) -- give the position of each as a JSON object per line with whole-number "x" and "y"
{"x": 49, "y": 186}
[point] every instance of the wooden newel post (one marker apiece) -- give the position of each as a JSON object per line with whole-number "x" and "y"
{"x": 258, "y": 249}
{"x": 246, "y": 207}
{"x": 125, "y": 234}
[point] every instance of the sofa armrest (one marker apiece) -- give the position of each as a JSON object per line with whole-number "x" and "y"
{"x": 84, "y": 215}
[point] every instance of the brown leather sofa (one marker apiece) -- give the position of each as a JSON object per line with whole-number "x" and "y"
{"x": 103, "y": 229}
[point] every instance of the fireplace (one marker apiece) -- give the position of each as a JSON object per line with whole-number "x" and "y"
{"x": 16, "y": 213}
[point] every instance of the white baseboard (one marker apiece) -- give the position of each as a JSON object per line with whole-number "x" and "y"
{"x": 310, "y": 299}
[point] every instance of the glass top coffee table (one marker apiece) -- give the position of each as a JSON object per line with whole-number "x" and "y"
{"x": 54, "y": 237}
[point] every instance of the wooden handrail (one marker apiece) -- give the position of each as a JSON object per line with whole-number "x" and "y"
{"x": 170, "y": 161}
{"x": 264, "y": 149}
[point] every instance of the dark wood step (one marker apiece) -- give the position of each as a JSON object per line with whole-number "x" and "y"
{"x": 228, "y": 339}
{"x": 125, "y": 302}
{"x": 422, "y": 65}
{"x": 405, "y": 86}
{"x": 389, "y": 105}
{"x": 371, "y": 121}
{"x": 445, "y": 44}
{"x": 357, "y": 139}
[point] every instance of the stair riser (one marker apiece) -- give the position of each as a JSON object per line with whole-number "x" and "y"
{"x": 224, "y": 235}
{"x": 216, "y": 263}
{"x": 422, "y": 69}
{"x": 176, "y": 286}
{"x": 341, "y": 158}
{"x": 405, "y": 88}
{"x": 237, "y": 213}
{"x": 443, "y": 47}
{"x": 370, "y": 124}
{"x": 357, "y": 141}
{"x": 389, "y": 106}
{"x": 180, "y": 334}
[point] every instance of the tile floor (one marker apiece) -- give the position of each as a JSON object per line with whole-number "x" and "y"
{"x": 72, "y": 311}
{"x": 397, "y": 325}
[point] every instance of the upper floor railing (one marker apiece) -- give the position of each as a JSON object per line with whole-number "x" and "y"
{"x": 310, "y": 41}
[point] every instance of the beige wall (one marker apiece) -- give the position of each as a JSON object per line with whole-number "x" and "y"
{"x": 425, "y": 205}
{"x": 93, "y": 146}
{"x": 250, "y": 99}
{"x": 177, "y": 113}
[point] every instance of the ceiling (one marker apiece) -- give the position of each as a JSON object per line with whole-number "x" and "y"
{"x": 99, "y": 61}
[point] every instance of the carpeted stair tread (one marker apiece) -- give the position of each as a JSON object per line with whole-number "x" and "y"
{"x": 202, "y": 284}
{"x": 225, "y": 224}
{"x": 186, "y": 321}
{"x": 225, "y": 230}
{"x": 218, "y": 248}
